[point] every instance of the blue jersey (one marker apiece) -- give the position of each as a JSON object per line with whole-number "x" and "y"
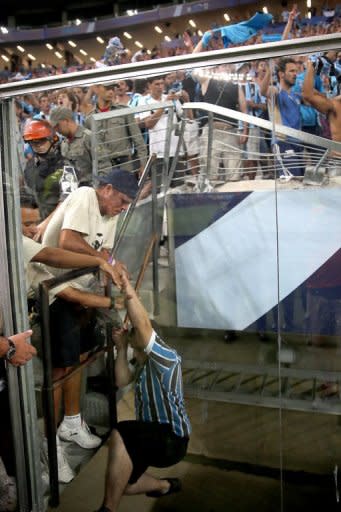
{"x": 289, "y": 108}
{"x": 159, "y": 388}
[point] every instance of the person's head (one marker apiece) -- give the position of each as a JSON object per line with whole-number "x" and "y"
{"x": 287, "y": 71}
{"x": 156, "y": 85}
{"x": 30, "y": 216}
{"x": 141, "y": 86}
{"x": 124, "y": 86}
{"x": 40, "y": 135}
{"x": 106, "y": 92}
{"x": 44, "y": 103}
{"x": 62, "y": 121}
{"x": 115, "y": 191}
{"x": 67, "y": 99}
{"x": 261, "y": 67}
{"x": 79, "y": 92}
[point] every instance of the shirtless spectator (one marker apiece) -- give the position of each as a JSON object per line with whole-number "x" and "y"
{"x": 329, "y": 106}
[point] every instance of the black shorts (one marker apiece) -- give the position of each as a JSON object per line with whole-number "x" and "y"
{"x": 151, "y": 444}
{"x": 71, "y": 332}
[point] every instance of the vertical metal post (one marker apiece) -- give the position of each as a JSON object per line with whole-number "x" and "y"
{"x": 13, "y": 298}
{"x": 156, "y": 248}
{"x": 111, "y": 377}
{"x": 48, "y": 399}
{"x": 209, "y": 144}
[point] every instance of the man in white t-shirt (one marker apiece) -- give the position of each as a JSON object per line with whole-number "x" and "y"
{"x": 156, "y": 121}
{"x": 86, "y": 221}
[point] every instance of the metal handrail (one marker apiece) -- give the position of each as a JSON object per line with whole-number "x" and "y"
{"x": 166, "y": 65}
{"x": 268, "y": 125}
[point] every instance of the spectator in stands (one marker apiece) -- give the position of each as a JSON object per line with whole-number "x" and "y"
{"x": 286, "y": 112}
{"x": 227, "y": 141}
{"x": 118, "y": 137}
{"x": 84, "y": 99}
{"x": 156, "y": 121}
{"x": 124, "y": 91}
{"x": 76, "y": 146}
{"x": 329, "y": 106}
{"x": 44, "y": 105}
{"x": 159, "y": 435}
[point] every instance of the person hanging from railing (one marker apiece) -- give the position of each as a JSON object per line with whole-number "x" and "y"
{"x": 160, "y": 433}
{"x": 118, "y": 137}
{"x": 70, "y": 341}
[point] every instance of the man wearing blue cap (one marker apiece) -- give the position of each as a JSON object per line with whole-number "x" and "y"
{"x": 86, "y": 223}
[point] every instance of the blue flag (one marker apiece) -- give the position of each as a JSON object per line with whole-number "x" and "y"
{"x": 240, "y": 32}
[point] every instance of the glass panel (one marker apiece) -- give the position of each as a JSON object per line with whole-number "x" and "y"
{"x": 308, "y": 202}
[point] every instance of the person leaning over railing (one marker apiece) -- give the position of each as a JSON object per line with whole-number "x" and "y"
{"x": 70, "y": 338}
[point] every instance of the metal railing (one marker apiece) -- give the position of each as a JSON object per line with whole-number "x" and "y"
{"x": 191, "y": 61}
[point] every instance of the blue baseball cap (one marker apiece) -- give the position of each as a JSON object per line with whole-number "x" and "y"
{"x": 121, "y": 180}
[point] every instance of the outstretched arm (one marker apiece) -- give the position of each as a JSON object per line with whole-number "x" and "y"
{"x": 137, "y": 314}
{"x": 61, "y": 258}
{"x": 288, "y": 26}
{"x": 309, "y": 94}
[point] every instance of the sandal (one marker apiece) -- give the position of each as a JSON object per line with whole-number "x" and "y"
{"x": 175, "y": 486}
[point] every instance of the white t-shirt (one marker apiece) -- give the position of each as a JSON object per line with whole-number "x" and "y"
{"x": 80, "y": 212}
{"x": 35, "y": 273}
{"x": 158, "y": 134}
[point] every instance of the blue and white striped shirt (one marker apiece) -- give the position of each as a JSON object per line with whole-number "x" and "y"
{"x": 159, "y": 388}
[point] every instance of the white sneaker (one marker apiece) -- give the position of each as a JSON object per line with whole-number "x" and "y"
{"x": 65, "y": 473}
{"x": 83, "y": 436}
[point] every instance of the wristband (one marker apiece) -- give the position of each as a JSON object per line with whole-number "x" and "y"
{"x": 111, "y": 260}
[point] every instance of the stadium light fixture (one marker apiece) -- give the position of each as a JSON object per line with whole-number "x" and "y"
{"x": 83, "y": 52}
{"x": 30, "y": 56}
{"x": 227, "y": 17}
{"x": 59, "y": 55}
{"x": 49, "y": 46}
{"x": 127, "y": 35}
{"x": 192, "y": 23}
{"x": 5, "y": 58}
{"x": 72, "y": 43}
{"x": 100, "y": 40}
{"x": 20, "y": 48}
{"x": 4, "y": 30}
{"x": 140, "y": 45}
{"x": 158, "y": 29}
